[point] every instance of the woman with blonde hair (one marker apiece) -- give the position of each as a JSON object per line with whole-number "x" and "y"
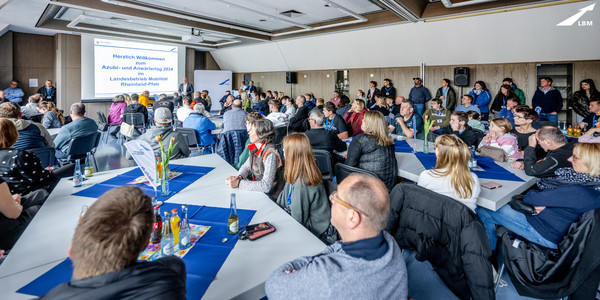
{"x": 451, "y": 175}
{"x": 53, "y": 118}
{"x": 373, "y": 150}
{"x": 354, "y": 117}
{"x": 303, "y": 195}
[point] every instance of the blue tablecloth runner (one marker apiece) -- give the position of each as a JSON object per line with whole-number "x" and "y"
{"x": 491, "y": 169}
{"x": 176, "y": 185}
{"x": 402, "y": 146}
{"x": 202, "y": 262}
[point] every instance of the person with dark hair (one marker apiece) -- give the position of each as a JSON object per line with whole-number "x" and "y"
{"x": 134, "y": 107}
{"x": 592, "y": 120}
{"x": 447, "y": 94}
{"x": 311, "y": 101}
{"x": 407, "y": 122}
{"x": 557, "y": 149}
{"x": 467, "y": 105}
{"x": 48, "y": 91}
{"x": 31, "y": 135}
{"x": 419, "y": 95}
{"x": 438, "y": 115}
{"x": 334, "y": 122}
{"x": 14, "y": 93}
{"x": 506, "y": 92}
{"x": 105, "y": 250}
{"x": 459, "y": 127}
{"x": 373, "y": 90}
{"x": 30, "y": 111}
{"x": 524, "y": 117}
{"x": 548, "y": 99}
{"x": 388, "y": 90}
{"x": 279, "y": 119}
{"x": 506, "y": 111}
{"x": 475, "y": 121}
{"x": 262, "y": 105}
{"x": 344, "y": 106}
{"x": 299, "y": 119}
{"x": 581, "y": 99}
{"x": 518, "y": 92}
{"x": 481, "y": 99}
{"x": 80, "y": 126}
{"x": 321, "y": 138}
{"x": 185, "y": 110}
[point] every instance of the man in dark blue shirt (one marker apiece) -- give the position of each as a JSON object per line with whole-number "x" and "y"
{"x": 419, "y": 95}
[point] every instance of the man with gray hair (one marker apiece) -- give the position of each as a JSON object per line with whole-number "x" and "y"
{"x": 366, "y": 264}
{"x": 80, "y": 126}
{"x": 235, "y": 118}
{"x": 227, "y": 105}
{"x": 31, "y": 135}
{"x": 558, "y": 150}
{"x": 30, "y": 109}
{"x": 320, "y": 138}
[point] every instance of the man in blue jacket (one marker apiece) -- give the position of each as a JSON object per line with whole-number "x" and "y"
{"x": 419, "y": 95}
{"x": 81, "y": 126}
{"x": 548, "y": 99}
{"x": 14, "y": 93}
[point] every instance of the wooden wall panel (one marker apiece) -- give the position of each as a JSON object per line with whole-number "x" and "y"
{"x": 586, "y": 70}
{"x": 6, "y": 59}
{"x": 33, "y": 57}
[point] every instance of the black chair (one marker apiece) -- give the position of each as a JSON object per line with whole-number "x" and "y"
{"x": 80, "y": 146}
{"x": 137, "y": 120}
{"x": 46, "y": 155}
{"x": 323, "y": 159}
{"x": 280, "y": 133}
{"x": 342, "y": 171}
{"x": 191, "y": 136}
{"x": 103, "y": 125}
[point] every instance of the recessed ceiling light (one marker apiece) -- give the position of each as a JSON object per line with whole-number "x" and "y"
{"x": 327, "y": 5}
{"x": 262, "y": 20}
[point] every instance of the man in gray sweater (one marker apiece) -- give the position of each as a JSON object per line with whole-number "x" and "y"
{"x": 366, "y": 264}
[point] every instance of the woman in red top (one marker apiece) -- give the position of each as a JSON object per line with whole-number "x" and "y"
{"x": 354, "y": 117}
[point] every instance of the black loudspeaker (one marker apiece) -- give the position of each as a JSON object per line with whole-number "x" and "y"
{"x": 291, "y": 77}
{"x": 461, "y": 76}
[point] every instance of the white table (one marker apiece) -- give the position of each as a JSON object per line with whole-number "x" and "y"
{"x": 45, "y": 242}
{"x": 410, "y": 168}
{"x": 53, "y": 132}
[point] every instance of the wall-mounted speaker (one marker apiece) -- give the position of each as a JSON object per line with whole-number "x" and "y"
{"x": 291, "y": 77}
{"x": 461, "y": 76}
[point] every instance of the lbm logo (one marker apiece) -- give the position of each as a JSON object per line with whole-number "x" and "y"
{"x": 574, "y": 18}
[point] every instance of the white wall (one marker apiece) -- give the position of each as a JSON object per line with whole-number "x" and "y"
{"x": 528, "y": 35}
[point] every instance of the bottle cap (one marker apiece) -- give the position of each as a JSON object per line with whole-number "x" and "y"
{"x": 157, "y": 207}
{"x": 174, "y": 210}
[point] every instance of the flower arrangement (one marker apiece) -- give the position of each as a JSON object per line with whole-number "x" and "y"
{"x": 165, "y": 157}
{"x": 427, "y": 124}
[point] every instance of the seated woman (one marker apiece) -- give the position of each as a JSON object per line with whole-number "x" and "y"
{"x": 524, "y": 116}
{"x": 557, "y": 209}
{"x": 20, "y": 169}
{"x": 279, "y": 119}
{"x": 381, "y": 105}
{"x": 115, "y": 113}
{"x": 373, "y": 150}
{"x": 567, "y": 176}
{"x": 354, "y": 117}
{"x": 202, "y": 124}
{"x": 264, "y": 162}
{"x": 451, "y": 175}
{"x": 289, "y": 106}
{"x": 53, "y": 118}
{"x": 500, "y": 137}
{"x": 250, "y": 119}
{"x": 303, "y": 195}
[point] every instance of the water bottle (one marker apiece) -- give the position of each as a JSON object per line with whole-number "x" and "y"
{"x": 473, "y": 162}
{"x": 185, "y": 232}
{"x": 77, "y": 177}
{"x": 89, "y": 168}
{"x": 167, "y": 242}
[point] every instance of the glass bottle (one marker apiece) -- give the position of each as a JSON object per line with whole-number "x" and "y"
{"x": 232, "y": 222}
{"x": 473, "y": 158}
{"x": 185, "y": 232}
{"x": 175, "y": 225}
{"x": 167, "y": 245}
{"x": 77, "y": 177}
{"x": 156, "y": 236}
{"x": 89, "y": 167}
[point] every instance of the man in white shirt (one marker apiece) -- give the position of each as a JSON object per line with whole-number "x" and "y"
{"x": 186, "y": 89}
{"x": 184, "y": 111}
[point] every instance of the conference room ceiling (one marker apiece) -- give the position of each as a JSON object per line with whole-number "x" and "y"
{"x": 213, "y": 24}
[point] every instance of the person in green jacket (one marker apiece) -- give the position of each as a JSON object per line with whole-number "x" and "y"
{"x": 447, "y": 94}
{"x": 250, "y": 119}
{"x": 303, "y": 195}
{"x": 438, "y": 115}
{"x": 518, "y": 92}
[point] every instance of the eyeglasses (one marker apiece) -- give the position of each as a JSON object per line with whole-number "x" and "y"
{"x": 334, "y": 197}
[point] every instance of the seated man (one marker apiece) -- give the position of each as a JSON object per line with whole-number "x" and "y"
{"x": 30, "y": 111}
{"x": 334, "y": 122}
{"x": 261, "y": 104}
{"x": 297, "y": 121}
{"x": 144, "y": 99}
{"x": 366, "y": 264}
{"x": 14, "y": 93}
{"x": 198, "y": 99}
{"x": 278, "y": 119}
{"x": 467, "y": 101}
{"x": 459, "y": 127}
{"x": 185, "y": 110}
{"x": 593, "y": 118}
{"x": 319, "y": 137}
{"x": 506, "y": 112}
{"x": 558, "y": 151}
{"x": 80, "y": 126}
{"x": 407, "y": 122}
{"x": 105, "y": 249}
{"x": 31, "y": 135}
{"x": 227, "y": 104}
{"x": 234, "y": 118}
{"x": 163, "y": 101}
{"x": 135, "y": 107}
{"x": 163, "y": 119}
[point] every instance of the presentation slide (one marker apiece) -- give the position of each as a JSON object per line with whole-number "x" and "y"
{"x": 130, "y": 67}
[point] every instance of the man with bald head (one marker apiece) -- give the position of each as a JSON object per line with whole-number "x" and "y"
{"x": 366, "y": 264}
{"x": 234, "y": 119}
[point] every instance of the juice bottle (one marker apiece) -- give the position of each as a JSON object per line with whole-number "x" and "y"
{"x": 175, "y": 224}
{"x": 570, "y": 131}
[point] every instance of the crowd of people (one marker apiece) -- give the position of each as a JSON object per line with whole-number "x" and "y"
{"x": 281, "y": 164}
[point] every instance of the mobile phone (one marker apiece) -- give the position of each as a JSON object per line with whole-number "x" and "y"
{"x": 491, "y": 185}
{"x": 255, "y": 227}
{"x": 256, "y": 231}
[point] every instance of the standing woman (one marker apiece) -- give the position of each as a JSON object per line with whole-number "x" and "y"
{"x": 481, "y": 99}
{"x": 303, "y": 195}
{"x": 374, "y": 149}
{"x": 447, "y": 94}
{"x": 451, "y": 175}
{"x": 53, "y": 118}
{"x": 506, "y": 92}
{"x": 581, "y": 99}
{"x": 354, "y": 117}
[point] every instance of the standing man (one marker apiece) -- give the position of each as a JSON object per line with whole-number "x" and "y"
{"x": 186, "y": 89}
{"x": 366, "y": 264}
{"x": 388, "y": 90}
{"x": 48, "y": 92}
{"x": 517, "y": 90}
{"x": 419, "y": 95}
{"x": 548, "y": 99}
{"x": 250, "y": 88}
{"x": 447, "y": 94}
{"x": 14, "y": 93}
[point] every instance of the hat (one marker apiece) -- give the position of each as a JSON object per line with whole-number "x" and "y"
{"x": 417, "y": 78}
{"x": 163, "y": 115}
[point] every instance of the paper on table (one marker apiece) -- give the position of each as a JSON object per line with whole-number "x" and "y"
{"x": 151, "y": 252}
{"x": 144, "y": 156}
{"x": 143, "y": 179}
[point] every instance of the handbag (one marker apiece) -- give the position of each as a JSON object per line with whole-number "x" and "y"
{"x": 494, "y": 153}
{"x": 127, "y": 130}
{"x": 519, "y": 205}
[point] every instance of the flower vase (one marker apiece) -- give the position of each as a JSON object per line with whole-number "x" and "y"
{"x": 165, "y": 181}
{"x": 425, "y": 146}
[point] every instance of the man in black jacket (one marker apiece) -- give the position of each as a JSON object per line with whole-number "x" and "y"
{"x": 558, "y": 151}
{"x": 320, "y": 138}
{"x": 105, "y": 249}
{"x": 298, "y": 120}
{"x": 459, "y": 127}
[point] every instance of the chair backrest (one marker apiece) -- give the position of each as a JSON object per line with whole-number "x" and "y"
{"x": 280, "y": 133}
{"x": 190, "y": 135}
{"x": 46, "y": 155}
{"x": 135, "y": 119}
{"x": 102, "y": 117}
{"x": 323, "y": 159}
{"x": 81, "y": 145}
{"x": 231, "y": 145}
{"x": 342, "y": 171}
